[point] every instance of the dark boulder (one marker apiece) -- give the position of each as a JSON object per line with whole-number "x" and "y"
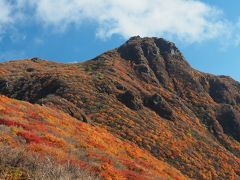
{"x": 119, "y": 86}
{"x": 3, "y": 84}
{"x": 158, "y": 104}
{"x": 142, "y": 68}
{"x": 131, "y": 100}
{"x": 35, "y": 59}
{"x": 220, "y": 92}
{"x": 229, "y": 118}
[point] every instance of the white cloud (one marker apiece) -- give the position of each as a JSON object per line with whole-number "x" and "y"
{"x": 10, "y": 14}
{"x": 187, "y": 20}
{"x": 237, "y": 35}
{"x": 5, "y": 14}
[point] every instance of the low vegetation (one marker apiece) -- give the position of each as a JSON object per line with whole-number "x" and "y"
{"x": 18, "y": 163}
{"x": 39, "y": 142}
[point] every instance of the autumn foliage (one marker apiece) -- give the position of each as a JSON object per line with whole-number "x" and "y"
{"x": 147, "y": 113}
{"x": 52, "y": 133}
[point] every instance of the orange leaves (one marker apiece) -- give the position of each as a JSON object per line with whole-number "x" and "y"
{"x": 51, "y": 132}
{"x": 133, "y": 166}
{"x": 108, "y": 172}
{"x": 55, "y": 141}
{"x": 132, "y": 175}
{"x": 1, "y": 108}
{"x": 100, "y": 158}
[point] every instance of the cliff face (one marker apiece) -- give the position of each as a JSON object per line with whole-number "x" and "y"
{"x": 144, "y": 92}
{"x": 159, "y": 62}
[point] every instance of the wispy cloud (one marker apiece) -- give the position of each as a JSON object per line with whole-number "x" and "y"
{"x": 187, "y": 20}
{"x": 237, "y": 34}
{"x": 5, "y": 15}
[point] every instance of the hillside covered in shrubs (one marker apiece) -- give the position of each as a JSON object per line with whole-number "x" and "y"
{"x": 42, "y": 143}
{"x": 139, "y": 111}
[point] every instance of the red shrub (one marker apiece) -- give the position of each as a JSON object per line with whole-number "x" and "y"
{"x": 132, "y": 166}
{"x": 33, "y": 115}
{"x": 39, "y": 126}
{"x": 100, "y": 157}
{"x": 12, "y": 123}
{"x": 132, "y": 175}
{"x": 30, "y": 137}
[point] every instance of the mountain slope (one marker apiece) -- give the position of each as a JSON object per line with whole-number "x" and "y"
{"x": 50, "y": 132}
{"x": 147, "y": 93}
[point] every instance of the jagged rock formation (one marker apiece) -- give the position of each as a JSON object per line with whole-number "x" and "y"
{"x": 145, "y": 92}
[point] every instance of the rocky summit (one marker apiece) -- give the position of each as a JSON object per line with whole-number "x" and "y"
{"x": 144, "y": 94}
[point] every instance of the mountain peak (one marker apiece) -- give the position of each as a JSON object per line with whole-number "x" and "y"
{"x": 148, "y": 46}
{"x": 155, "y": 59}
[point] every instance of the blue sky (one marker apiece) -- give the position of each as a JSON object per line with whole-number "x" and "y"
{"x": 206, "y": 31}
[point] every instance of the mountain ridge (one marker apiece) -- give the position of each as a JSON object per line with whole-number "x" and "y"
{"x": 147, "y": 93}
